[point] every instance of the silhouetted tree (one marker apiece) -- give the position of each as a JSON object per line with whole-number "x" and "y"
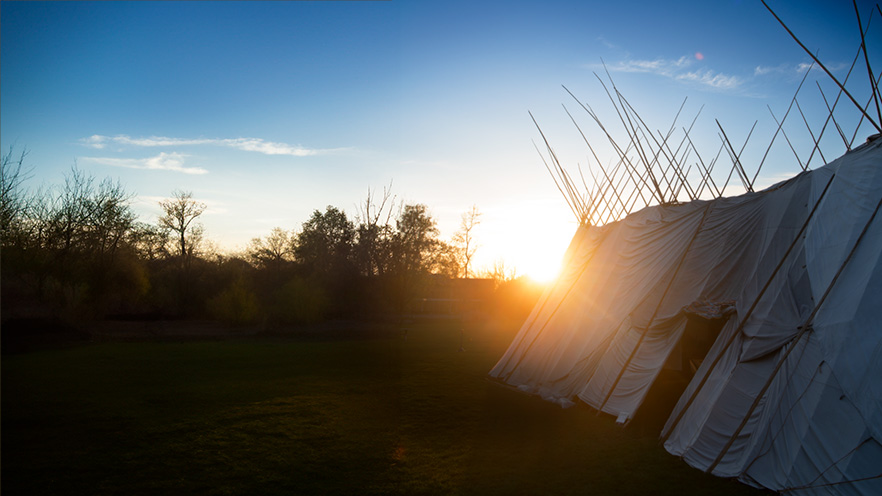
{"x": 500, "y": 273}
{"x": 149, "y": 242}
{"x": 78, "y": 246}
{"x": 110, "y": 219}
{"x": 179, "y": 218}
{"x": 272, "y": 251}
{"x": 324, "y": 244}
{"x": 464, "y": 239}
{"x": 416, "y": 253}
{"x": 375, "y": 235}
{"x": 13, "y": 202}
{"x": 83, "y": 224}
{"x": 179, "y": 213}
{"x": 68, "y": 242}
{"x": 416, "y": 238}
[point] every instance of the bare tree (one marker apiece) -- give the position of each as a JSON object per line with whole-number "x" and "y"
{"x": 72, "y": 233}
{"x": 499, "y": 272}
{"x": 464, "y": 239}
{"x": 150, "y": 242}
{"x": 374, "y": 234}
{"x": 12, "y": 201}
{"x": 179, "y": 213}
{"x": 110, "y": 219}
{"x": 70, "y": 212}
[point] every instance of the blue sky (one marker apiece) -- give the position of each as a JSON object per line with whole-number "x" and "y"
{"x": 267, "y": 111}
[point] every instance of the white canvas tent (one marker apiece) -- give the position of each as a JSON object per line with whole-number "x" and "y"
{"x": 789, "y": 397}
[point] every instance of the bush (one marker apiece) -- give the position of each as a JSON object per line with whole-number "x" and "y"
{"x": 237, "y": 304}
{"x": 300, "y": 301}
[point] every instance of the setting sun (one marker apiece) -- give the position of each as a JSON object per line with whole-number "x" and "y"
{"x": 542, "y": 271}
{"x": 528, "y": 238}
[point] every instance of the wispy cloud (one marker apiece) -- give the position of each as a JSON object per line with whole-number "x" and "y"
{"x": 268, "y": 147}
{"x": 661, "y": 67}
{"x": 164, "y": 161}
{"x": 782, "y": 69}
{"x": 258, "y": 145}
{"x": 607, "y": 43}
{"x": 711, "y": 78}
{"x": 678, "y": 70}
{"x": 796, "y": 69}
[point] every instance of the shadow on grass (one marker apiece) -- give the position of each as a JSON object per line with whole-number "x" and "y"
{"x": 273, "y": 416}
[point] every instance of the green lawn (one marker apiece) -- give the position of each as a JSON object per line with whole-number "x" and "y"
{"x": 350, "y": 416}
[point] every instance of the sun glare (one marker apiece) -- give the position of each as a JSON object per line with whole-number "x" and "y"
{"x": 542, "y": 271}
{"x": 526, "y": 239}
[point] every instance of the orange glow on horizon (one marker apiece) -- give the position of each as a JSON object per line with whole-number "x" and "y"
{"x": 526, "y": 238}
{"x": 542, "y": 271}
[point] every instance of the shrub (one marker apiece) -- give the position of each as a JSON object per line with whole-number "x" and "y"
{"x": 236, "y": 304}
{"x": 300, "y": 301}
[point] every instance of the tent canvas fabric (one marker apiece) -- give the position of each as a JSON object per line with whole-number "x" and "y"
{"x": 789, "y": 397}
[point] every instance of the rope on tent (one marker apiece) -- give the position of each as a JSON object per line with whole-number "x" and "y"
{"x": 770, "y": 437}
{"x": 831, "y": 484}
{"x": 737, "y": 331}
{"x": 612, "y": 389}
{"x": 812, "y": 485}
{"x": 793, "y": 405}
{"x": 803, "y": 329}
{"x": 651, "y": 181}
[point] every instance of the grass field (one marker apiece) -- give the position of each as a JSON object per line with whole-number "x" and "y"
{"x": 384, "y": 415}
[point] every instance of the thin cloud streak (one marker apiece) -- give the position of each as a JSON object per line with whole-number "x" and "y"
{"x": 661, "y": 67}
{"x": 678, "y": 71}
{"x": 258, "y": 145}
{"x": 786, "y": 69}
{"x": 709, "y": 78}
{"x": 164, "y": 161}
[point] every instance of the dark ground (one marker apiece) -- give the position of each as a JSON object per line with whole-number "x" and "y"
{"x": 196, "y": 408}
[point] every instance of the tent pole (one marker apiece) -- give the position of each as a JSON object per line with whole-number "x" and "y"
{"x": 803, "y": 329}
{"x": 747, "y": 315}
{"x": 781, "y": 124}
{"x": 854, "y": 135}
{"x": 801, "y": 165}
{"x": 857, "y": 13}
{"x": 861, "y": 109}
{"x": 539, "y": 332}
{"x": 809, "y": 128}
{"x": 612, "y": 389}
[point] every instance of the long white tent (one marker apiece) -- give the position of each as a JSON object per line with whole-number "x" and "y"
{"x": 789, "y": 396}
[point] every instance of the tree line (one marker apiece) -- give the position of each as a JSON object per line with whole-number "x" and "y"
{"x": 77, "y": 250}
